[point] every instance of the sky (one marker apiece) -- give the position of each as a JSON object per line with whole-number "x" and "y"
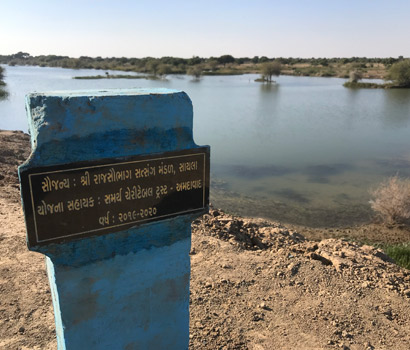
{"x": 157, "y": 28}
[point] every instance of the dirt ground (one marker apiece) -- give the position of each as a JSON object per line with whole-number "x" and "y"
{"x": 255, "y": 284}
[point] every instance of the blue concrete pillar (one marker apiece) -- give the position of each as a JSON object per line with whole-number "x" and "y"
{"x": 118, "y": 265}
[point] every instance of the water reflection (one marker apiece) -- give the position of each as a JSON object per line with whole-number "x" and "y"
{"x": 292, "y": 195}
{"x": 266, "y": 113}
{"x": 269, "y": 88}
{"x": 393, "y": 166}
{"x": 342, "y": 198}
{"x": 396, "y": 111}
{"x": 321, "y": 173}
{"x": 258, "y": 172}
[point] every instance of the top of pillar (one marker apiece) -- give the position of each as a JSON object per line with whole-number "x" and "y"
{"x": 72, "y": 126}
{"x": 104, "y": 92}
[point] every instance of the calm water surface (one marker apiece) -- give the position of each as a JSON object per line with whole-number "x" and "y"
{"x": 305, "y": 151}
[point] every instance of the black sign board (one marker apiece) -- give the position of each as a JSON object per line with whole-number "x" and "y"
{"x": 77, "y": 200}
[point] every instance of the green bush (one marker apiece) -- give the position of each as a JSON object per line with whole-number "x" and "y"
{"x": 399, "y": 73}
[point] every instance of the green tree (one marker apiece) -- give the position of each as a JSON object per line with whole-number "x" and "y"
{"x": 21, "y": 54}
{"x": 152, "y": 66}
{"x": 270, "y": 69}
{"x": 399, "y": 73}
{"x": 255, "y": 59}
{"x": 164, "y": 69}
{"x": 194, "y": 60}
{"x": 224, "y": 59}
{"x": 195, "y": 71}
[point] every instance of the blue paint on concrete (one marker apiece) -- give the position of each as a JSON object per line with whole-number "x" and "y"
{"x": 130, "y": 289}
{"x": 139, "y": 298}
{"x": 146, "y": 236}
{"x": 84, "y": 126}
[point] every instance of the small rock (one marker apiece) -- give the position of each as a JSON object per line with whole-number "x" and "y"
{"x": 297, "y": 237}
{"x": 263, "y": 305}
{"x": 316, "y": 256}
{"x": 388, "y": 314}
{"x": 257, "y": 317}
{"x": 346, "y": 335}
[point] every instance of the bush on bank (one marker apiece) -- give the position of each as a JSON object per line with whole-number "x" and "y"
{"x": 399, "y": 73}
{"x": 391, "y": 200}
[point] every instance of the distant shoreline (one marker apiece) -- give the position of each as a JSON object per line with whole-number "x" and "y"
{"x": 362, "y": 85}
{"x": 371, "y": 68}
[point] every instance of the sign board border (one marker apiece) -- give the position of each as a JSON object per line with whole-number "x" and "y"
{"x": 28, "y": 196}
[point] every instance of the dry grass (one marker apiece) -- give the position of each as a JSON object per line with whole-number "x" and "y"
{"x": 391, "y": 200}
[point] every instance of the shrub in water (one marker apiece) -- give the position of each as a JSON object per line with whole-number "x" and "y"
{"x": 391, "y": 199}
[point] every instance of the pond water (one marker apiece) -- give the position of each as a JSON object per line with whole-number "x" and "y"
{"x": 305, "y": 151}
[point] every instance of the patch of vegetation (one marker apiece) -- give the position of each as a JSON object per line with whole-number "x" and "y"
{"x": 223, "y": 65}
{"x": 391, "y": 200}
{"x": 328, "y": 73}
{"x": 361, "y": 85}
{"x": 270, "y": 69}
{"x": 229, "y": 71}
{"x": 195, "y": 71}
{"x": 118, "y": 76}
{"x": 400, "y": 253}
{"x": 399, "y": 73}
{"x": 355, "y": 76}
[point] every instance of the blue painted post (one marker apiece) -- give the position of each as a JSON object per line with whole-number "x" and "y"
{"x": 109, "y": 192}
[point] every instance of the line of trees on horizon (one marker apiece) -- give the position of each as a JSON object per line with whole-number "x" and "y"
{"x": 354, "y": 68}
{"x": 176, "y": 65}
